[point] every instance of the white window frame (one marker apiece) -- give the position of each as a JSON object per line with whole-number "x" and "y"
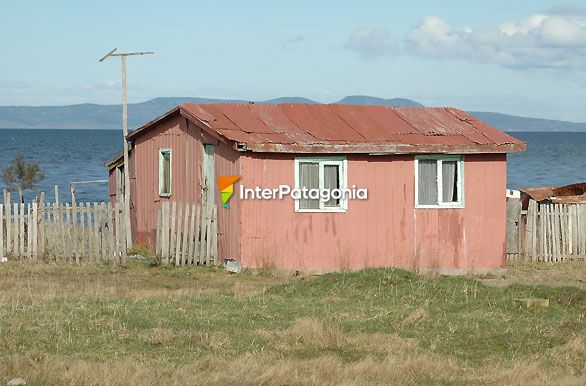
{"x": 460, "y": 174}
{"x": 342, "y": 164}
{"x": 161, "y": 151}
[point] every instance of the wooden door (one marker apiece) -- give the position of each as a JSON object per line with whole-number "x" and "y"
{"x": 208, "y": 177}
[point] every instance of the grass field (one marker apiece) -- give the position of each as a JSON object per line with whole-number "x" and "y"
{"x": 98, "y": 325}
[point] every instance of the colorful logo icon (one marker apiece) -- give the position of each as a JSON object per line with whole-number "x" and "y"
{"x": 226, "y": 184}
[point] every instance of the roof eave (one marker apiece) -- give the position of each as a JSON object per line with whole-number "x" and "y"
{"x": 139, "y": 131}
{"x": 382, "y": 148}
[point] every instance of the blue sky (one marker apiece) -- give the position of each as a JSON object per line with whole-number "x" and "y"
{"x": 518, "y": 57}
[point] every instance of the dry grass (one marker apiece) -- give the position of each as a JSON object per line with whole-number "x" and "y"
{"x": 571, "y": 273}
{"x": 101, "y": 325}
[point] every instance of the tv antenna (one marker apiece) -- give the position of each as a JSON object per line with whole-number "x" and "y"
{"x": 123, "y": 56}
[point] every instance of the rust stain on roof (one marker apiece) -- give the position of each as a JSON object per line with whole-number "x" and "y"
{"x": 348, "y": 128}
{"x": 568, "y": 194}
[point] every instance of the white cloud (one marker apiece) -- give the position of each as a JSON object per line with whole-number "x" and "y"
{"x": 545, "y": 40}
{"x": 371, "y": 42}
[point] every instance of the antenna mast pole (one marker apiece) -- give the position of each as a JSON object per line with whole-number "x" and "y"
{"x": 127, "y": 221}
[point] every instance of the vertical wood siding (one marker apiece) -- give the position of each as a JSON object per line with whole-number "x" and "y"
{"x": 386, "y": 229}
{"x": 186, "y": 141}
{"x": 228, "y": 164}
{"x": 172, "y": 133}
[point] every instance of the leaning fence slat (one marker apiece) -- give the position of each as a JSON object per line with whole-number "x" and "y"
{"x": 1, "y": 232}
{"x": 173, "y": 236}
{"x": 111, "y": 234}
{"x": 82, "y": 241}
{"x": 29, "y": 230}
{"x": 15, "y": 229}
{"x": 177, "y": 240}
{"x": 534, "y": 233}
{"x": 103, "y": 243}
{"x": 543, "y": 234}
{"x": 197, "y": 236}
{"x": 550, "y": 248}
{"x": 96, "y": 238}
{"x": 8, "y": 210}
{"x": 204, "y": 232}
{"x": 117, "y": 229}
{"x": 563, "y": 231}
{"x": 35, "y": 231}
{"x": 213, "y": 251}
{"x": 21, "y": 236}
{"x": 185, "y": 234}
{"x": 194, "y": 213}
{"x": 209, "y": 234}
{"x": 62, "y": 214}
{"x": 529, "y": 231}
{"x": 67, "y": 234}
{"x": 582, "y": 229}
{"x": 158, "y": 233}
{"x": 165, "y": 232}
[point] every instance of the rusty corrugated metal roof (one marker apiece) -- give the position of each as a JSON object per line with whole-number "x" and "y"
{"x": 347, "y": 128}
{"x": 568, "y": 194}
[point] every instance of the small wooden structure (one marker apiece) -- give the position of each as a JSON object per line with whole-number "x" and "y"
{"x": 545, "y": 231}
{"x": 435, "y": 177}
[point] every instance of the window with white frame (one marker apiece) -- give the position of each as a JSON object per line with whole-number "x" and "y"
{"x": 439, "y": 182}
{"x": 321, "y": 173}
{"x": 165, "y": 170}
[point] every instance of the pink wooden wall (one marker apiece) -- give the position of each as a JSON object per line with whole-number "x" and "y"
{"x": 170, "y": 133}
{"x": 186, "y": 141}
{"x": 386, "y": 229}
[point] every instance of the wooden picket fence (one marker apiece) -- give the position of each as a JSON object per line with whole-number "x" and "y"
{"x": 187, "y": 234}
{"x": 549, "y": 232}
{"x": 57, "y": 231}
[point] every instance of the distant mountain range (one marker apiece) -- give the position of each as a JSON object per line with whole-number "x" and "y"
{"x": 94, "y": 116}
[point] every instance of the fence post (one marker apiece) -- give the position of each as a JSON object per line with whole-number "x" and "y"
{"x": 2, "y": 231}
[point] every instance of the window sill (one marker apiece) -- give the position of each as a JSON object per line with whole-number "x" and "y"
{"x": 454, "y": 206}
{"x": 333, "y": 210}
{"x": 167, "y": 195}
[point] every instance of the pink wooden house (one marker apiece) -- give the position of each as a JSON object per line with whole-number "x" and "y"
{"x": 435, "y": 181}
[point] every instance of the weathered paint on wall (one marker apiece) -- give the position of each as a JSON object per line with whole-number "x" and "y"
{"x": 228, "y": 163}
{"x": 386, "y": 229}
{"x": 186, "y": 142}
{"x": 186, "y": 184}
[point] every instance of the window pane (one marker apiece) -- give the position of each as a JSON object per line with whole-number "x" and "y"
{"x": 331, "y": 181}
{"x": 450, "y": 181}
{"x": 427, "y": 182}
{"x": 309, "y": 178}
{"x": 166, "y": 165}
